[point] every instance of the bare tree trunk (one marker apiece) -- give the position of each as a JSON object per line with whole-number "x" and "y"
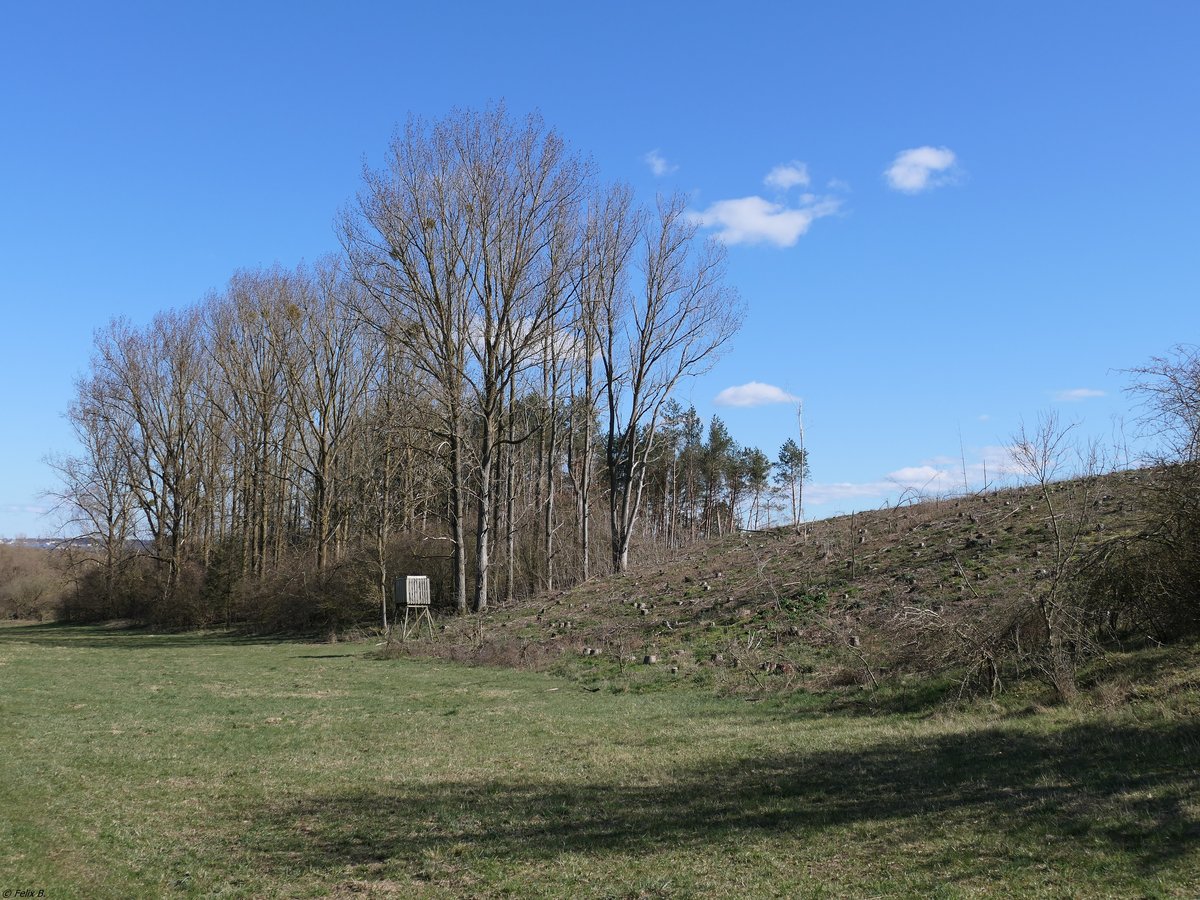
{"x": 510, "y": 524}
{"x": 483, "y": 520}
{"x": 458, "y": 513}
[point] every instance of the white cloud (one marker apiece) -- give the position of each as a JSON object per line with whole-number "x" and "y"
{"x": 754, "y": 393}
{"x": 1074, "y": 395}
{"x": 787, "y": 175}
{"x": 658, "y": 164}
{"x": 920, "y": 169}
{"x": 25, "y": 508}
{"x": 920, "y": 477}
{"x": 752, "y": 220}
{"x": 817, "y": 494}
{"x": 992, "y": 466}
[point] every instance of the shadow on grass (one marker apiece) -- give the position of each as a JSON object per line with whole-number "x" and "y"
{"x": 1121, "y": 790}
{"x": 134, "y": 637}
{"x": 1142, "y": 665}
{"x": 914, "y": 698}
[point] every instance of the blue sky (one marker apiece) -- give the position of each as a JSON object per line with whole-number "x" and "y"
{"x": 1041, "y": 236}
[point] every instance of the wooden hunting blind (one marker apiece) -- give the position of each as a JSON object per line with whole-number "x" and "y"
{"x": 412, "y": 592}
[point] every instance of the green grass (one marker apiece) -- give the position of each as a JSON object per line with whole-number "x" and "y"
{"x": 206, "y": 765}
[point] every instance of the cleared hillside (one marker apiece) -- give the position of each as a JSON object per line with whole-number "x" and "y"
{"x": 860, "y": 599}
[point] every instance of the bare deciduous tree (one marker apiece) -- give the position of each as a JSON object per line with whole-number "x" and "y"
{"x": 456, "y": 243}
{"x": 610, "y": 236}
{"x": 158, "y": 383}
{"x": 682, "y": 317}
{"x": 1041, "y": 453}
{"x": 328, "y": 371}
{"x": 95, "y": 493}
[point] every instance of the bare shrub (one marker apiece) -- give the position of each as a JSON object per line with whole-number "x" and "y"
{"x": 302, "y": 598}
{"x": 1112, "y": 694}
{"x": 844, "y": 676}
{"x": 30, "y": 583}
{"x": 1149, "y": 582}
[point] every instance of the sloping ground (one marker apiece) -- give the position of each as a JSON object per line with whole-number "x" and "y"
{"x": 850, "y": 601}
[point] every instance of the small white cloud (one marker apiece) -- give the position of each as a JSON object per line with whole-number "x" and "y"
{"x": 25, "y": 508}
{"x": 818, "y": 494}
{"x": 755, "y": 393}
{"x": 1074, "y": 395}
{"x": 938, "y": 476}
{"x": 787, "y": 175}
{"x": 836, "y": 184}
{"x": 941, "y": 461}
{"x": 752, "y": 220}
{"x": 658, "y": 164}
{"x": 983, "y": 417}
{"x": 920, "y": 477}
{"x": 920, "y": 169}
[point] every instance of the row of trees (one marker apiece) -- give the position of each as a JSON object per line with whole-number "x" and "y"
{"x": 488, "y": 364}
{"x": 704, "y": 485}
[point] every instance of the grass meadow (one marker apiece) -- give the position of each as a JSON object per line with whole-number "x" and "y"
{"x": 138, "y": 764}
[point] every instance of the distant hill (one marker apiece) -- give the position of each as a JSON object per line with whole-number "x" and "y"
{"x": 45, "y": 543}
{"x": 51, "y": 543}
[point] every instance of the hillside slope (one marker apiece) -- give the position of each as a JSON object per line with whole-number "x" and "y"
{"x": 856, "y": 599}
